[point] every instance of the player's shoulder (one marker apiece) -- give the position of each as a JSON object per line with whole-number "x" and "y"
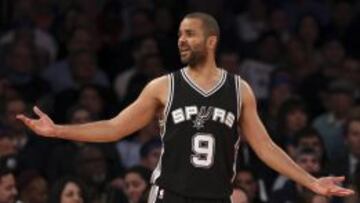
{"x": 232, "y": 74}
{"x": 159, "y": 82}
{"x": 164, "y": 80}
{"x": 238, "y": 77}
{"x": 245, "y": 87}
{"x": 158, "y": 87}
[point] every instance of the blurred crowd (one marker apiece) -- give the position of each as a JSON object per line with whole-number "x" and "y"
{"x": 85, "y": 60}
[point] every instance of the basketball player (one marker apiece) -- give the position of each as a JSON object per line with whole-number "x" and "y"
{"x": 201, "y": 106}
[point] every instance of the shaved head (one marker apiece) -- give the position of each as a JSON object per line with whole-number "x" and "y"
{"x": 210, "y": 25}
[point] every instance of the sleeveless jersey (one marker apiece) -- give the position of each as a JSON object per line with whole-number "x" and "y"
{"x": 199, "y": 137}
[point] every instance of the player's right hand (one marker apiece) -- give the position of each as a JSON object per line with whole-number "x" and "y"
{"x": 42, "y": 126}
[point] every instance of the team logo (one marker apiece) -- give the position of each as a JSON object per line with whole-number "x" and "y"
{"x": 203, "y": 115}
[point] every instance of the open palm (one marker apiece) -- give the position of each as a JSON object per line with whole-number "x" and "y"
{"x": 42, "y": 126}
{"x": 329, "y": 186}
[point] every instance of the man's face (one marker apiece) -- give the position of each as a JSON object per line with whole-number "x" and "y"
{"x": 135, "y": 186}
{"x": 309, "y": 162}
{"x": 296, "y": 120}
{"x": 192, "y": 41}
{"x": 246, "y": 181}
{"x": 8, "y": 190}
{"x": 312, "y": 142}
{"x": 36, "y": 191}
{"x": 92, "y": 165}
{"x": 152, "y": 158}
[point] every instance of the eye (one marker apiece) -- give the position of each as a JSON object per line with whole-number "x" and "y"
{"x": 190, "y": 33}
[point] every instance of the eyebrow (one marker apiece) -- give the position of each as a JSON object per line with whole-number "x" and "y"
{"x": 187, "y": 31}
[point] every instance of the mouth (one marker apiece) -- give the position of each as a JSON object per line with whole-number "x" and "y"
{"x": 184, "y": 51}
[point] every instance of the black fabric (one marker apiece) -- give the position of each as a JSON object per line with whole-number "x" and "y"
{"x": 199, "y": 147}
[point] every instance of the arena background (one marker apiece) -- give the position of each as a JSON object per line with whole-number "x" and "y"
{"x": 85, "y": 60}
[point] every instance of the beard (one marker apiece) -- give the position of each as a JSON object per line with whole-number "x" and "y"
{"x": 193, "y": 57}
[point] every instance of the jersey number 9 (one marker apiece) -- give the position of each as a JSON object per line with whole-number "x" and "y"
{"x": 203, "y": 147}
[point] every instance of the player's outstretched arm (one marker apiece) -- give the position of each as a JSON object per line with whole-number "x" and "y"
{"x": 258, "y": 138}
{"x": 131, "y": 119}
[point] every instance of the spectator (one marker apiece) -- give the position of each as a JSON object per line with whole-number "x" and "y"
{"x": 21, "y": 69}
{"x": 137, "y": 184}
{"x": 8, "y": 190}
{"x": 151, "y": 67}
{"x": 97, "y": 100}
{"x": 68, "y": 189}
{"x": 258, "y": 71}
{"x": 33, "y": 187}
{"x": 246, "y": 178}
{"x": 122, "y": 81}
{"x": 61, "y": 159}
{"x": 312, "y": 88}
{"x": 311, "y": 138}
{"x": 129, "y": 149}
{"x": 150, "y": 153}
{"x": 239, "y": 196}
{"x": 330, "y": 124}
{"x": 279, "y": 23}
{"x": 300, "y": 63}
{"x": 281, "y": 89}
{"x": 44, "y": 43}
{"x": 252, "y": 23}
{"x": 79, "y": 67}
{"x": 7, "y": 143}
{"x": 94, "y": 170}
{"x": 308, "y": 159}
{"x": 292, "y": 118}
{"x": 350, "y": 161}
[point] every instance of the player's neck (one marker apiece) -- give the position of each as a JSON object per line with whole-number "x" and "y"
{"x": 204, "y": 76}
{"x": 207, "y": 68}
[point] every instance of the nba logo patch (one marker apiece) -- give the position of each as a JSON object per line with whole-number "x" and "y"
{"x": 161, "y": 194}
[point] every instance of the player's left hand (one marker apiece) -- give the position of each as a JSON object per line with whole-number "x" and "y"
{"x": 329, "y": 186}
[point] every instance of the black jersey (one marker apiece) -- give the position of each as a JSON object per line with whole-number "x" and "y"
{"x": 200, "y": 137}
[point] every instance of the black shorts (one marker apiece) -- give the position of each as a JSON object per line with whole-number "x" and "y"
{"x": 160, "y": 195}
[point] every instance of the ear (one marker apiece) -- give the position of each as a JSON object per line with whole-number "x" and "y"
{"x": 212, "y": 42}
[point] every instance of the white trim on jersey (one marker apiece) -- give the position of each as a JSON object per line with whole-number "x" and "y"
{"x": 157, "y": 171}
{"x": 169, "y": 99}
{"x": 153, "y": 194}
{"x": 236, "y": 150}
{"x": 197, "y": 88}
{"x": 239, "y": 105}
{"x": 238, "y": 94}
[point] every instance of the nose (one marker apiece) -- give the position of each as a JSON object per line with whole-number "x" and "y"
{"x": 131, "y": 189}
{"x": 181, "y": 40}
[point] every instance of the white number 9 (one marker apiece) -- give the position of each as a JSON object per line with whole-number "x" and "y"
{"x": 203, "y": 146}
